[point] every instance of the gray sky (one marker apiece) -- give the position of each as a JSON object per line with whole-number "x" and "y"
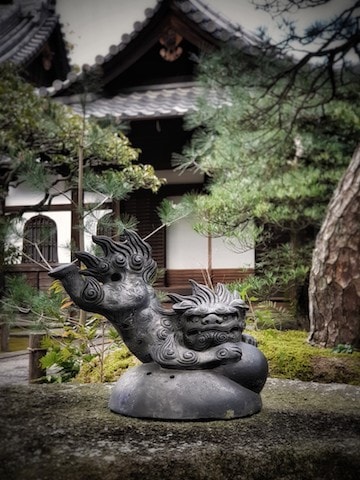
{"x": 92, "y": 26}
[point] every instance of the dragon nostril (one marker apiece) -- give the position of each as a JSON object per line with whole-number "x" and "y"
{"x": 115, "y": 277}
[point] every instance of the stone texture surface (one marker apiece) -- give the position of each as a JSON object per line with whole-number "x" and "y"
{"x": 305, "y": 431}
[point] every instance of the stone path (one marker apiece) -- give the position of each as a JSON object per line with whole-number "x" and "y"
{"x": 14, "y": 368}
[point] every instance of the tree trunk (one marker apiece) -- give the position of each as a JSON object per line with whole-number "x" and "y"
{"x": 334, "y": 291}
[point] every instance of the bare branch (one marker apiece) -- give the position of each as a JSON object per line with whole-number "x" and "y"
{"x": 45, "y": 267}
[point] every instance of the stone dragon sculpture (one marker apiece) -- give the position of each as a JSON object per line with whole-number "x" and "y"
{"x": 201, "y": 332}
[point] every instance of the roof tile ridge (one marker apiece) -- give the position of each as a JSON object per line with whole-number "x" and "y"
{"x": 37, "y": 39}
{"x": 31, "y": 6}
{"x": 219, "y": 19}
{"x": 22, "y": 23}
{"x": 126, "y": 38}
{"x": 18, "y": 47}
{"x": 10, "y": 17}
{"x": 213, "y": 14}
{"x": 11, "y": 46}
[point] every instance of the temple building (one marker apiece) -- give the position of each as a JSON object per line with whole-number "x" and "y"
{"x": 148, "y": 82}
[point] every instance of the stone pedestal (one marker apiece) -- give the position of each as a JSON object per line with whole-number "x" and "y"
{"x": 149, "y": 391}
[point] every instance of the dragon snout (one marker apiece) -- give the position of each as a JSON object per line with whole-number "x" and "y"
{"x": 212, "y": 319}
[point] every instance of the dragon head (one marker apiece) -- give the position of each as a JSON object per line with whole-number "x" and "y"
{"x": 119, "y": 279}
{"x": 208, "y": 318}
{"x": 202, "y": 330}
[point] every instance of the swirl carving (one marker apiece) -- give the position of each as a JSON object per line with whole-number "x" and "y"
{"x": 165, "y": 351}
{"x": 136, "y": 263}
{"x": 229, "y": 353}
{"x": 188, "y": 358}
{"x": 162, "y": 333}
{"x": 93, "y": 292}
{"x": 103, "y": 267}
{"x": 119, "y": 261}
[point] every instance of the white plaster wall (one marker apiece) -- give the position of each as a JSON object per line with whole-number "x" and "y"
{"x": 94, "y": 198}
{"x": 184, "y": 247}
{"x": 25, "y": 195}
{"x": 224, "y": 256}
{"x": 187, "y": 249}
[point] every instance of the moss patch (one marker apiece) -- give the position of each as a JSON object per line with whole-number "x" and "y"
{"x": 114, "y": 365}
{"x": 287, "y": 351}
{"x": 290, "y": 356}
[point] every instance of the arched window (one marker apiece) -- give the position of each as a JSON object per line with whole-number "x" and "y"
{"x": 40, "y": 240}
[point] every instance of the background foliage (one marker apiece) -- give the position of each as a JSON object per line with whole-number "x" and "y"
{"x": 273, "y": 157}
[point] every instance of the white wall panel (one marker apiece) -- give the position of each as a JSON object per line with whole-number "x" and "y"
{"x": 186, "y": 249}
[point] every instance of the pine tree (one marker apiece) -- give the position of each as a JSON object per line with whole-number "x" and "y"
{"x": 277, "y": 147}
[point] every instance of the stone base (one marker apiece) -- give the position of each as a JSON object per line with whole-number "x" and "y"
{"x": 305, "y": 431}
{"x": 149, "y": 391}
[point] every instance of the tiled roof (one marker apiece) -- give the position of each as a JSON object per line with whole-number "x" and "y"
{"x": 168, "y": 101}
{"x": 157, "y": 101}
{"x": 212, "y": 23}
{"x": 24, "y": 29}
{"x": 218, "y": 26}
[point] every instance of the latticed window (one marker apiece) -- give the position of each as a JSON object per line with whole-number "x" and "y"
{"x": 40, "y": 240}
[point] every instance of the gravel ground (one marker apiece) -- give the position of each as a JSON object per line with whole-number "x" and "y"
{"x": 14, "y": 368}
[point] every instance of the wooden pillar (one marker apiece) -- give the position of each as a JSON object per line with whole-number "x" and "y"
{"x": 209, "y": 261}
{"x": 75, "y": 222}
{"x": 36, "y": 352}
{"x": 4, "y": 329}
